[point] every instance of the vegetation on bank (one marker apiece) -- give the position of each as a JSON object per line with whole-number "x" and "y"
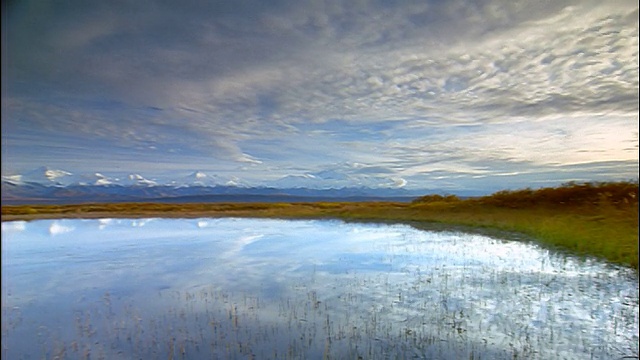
{"x": 596, "y": 219}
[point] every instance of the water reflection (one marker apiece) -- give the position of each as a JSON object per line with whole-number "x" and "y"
{"x": 236, "y": 288}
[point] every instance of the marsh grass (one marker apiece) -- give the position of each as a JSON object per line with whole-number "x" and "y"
{"x": 592, "y": 219}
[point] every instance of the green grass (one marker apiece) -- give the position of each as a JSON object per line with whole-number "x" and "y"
{"x": 598, "y": 220}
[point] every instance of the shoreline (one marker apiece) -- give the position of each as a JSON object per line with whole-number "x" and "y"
{"x": 605, "y": 232}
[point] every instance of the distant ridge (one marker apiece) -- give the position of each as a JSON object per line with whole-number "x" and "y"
{"x": 32, "y": 193}
{"x": 44, "y": 185}
{"x": 276, "y": 198}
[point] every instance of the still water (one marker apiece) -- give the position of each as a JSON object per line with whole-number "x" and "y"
{"x": 255, "y": 288}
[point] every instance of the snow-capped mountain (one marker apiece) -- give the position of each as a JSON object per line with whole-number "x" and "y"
{"x": 330, "y": 175}
{"x": 329, "y": 179}
{"x": 55, "y": 177}
{"x": 199, "y": 178}
{"x": 102, "y": 180}
{"x": 236, "y": 182}
{"x": 92, "y": 179}
{"x": 298, "y": 181}
{"x": 12, "y": 179}
{"x": 135, "y": 180}
{"x": 45, "y": 185}
{"x": 325, "y": 179}
{"x": 45, "y": 175}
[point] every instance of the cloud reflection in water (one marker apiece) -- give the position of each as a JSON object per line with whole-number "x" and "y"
{"x": 304, "y": 288}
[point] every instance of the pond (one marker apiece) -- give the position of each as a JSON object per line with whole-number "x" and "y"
{"x": 256, "y": 288}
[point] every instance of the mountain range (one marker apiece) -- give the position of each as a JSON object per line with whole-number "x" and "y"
{"x": 53, "y": 186}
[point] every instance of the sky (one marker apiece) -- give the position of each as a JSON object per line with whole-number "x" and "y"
{"x": 456, "y": 95}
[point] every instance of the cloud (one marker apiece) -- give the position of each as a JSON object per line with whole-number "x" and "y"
{"x": 346, "y": 61}
{"x": 57, "y": 228}
{"x": 104, "y": 223}
{"x": 267, "y": 89}
{"x": 537, "y": 141}
{"x": 13, "y": 226}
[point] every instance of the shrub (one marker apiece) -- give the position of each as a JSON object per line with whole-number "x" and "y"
{"x": 435, "y": 198}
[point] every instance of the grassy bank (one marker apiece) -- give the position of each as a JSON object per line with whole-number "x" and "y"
{"x": 588, "y": 219}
